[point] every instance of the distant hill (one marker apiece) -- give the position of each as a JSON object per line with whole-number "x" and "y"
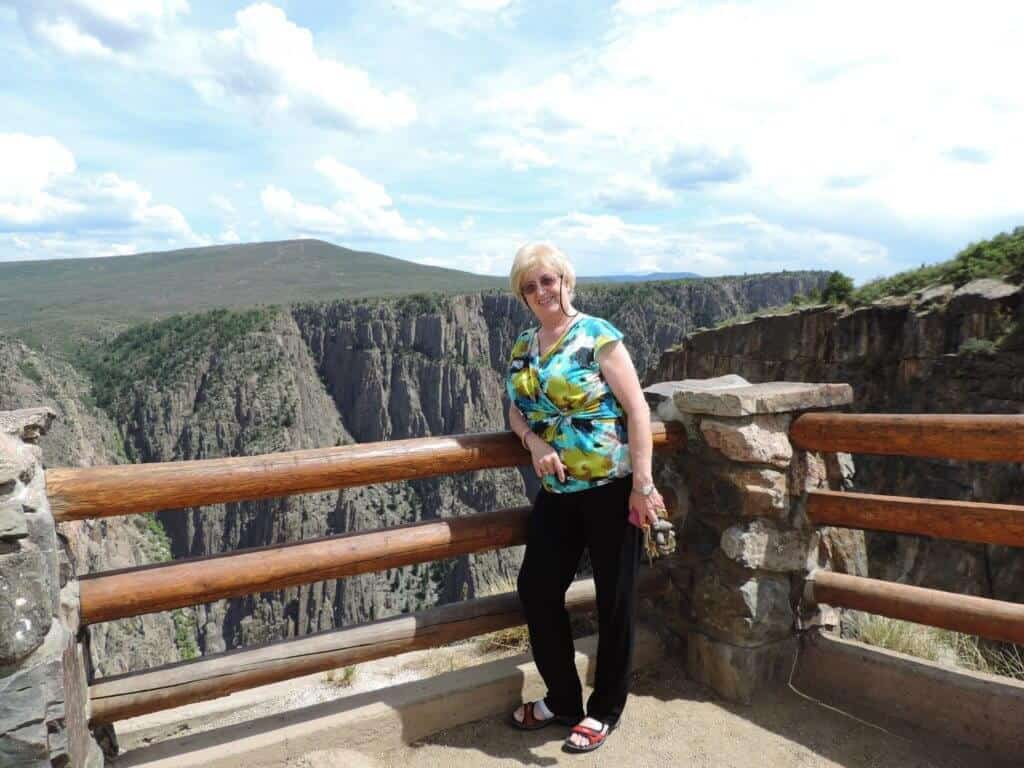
{"x": 646, "y": 277}
{"x": 59, "y": 302}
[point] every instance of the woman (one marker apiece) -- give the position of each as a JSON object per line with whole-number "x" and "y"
{"x": 574, "y": 392}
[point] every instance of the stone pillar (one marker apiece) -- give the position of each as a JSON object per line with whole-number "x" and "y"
{"x": 746, "y": 543}
{"x": 43, "y": 691}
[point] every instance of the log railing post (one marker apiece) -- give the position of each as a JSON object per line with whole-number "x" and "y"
{"x": 43, "y": 694}
{"x": 746, "y": 543}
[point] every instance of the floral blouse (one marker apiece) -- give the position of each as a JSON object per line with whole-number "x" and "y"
{"x": 568, "y": 403}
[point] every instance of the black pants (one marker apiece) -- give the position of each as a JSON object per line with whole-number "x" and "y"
{"x": 561, "y": 525}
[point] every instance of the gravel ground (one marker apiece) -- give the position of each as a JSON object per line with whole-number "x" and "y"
{"x": 669, "y": 721}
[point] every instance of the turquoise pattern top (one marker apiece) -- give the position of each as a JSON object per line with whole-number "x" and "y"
{"x": 569, "y": 405}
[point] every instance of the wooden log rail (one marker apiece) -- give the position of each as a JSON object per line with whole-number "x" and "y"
{"x": 960, "y": 520}
{"x": 138, "y": 693}
{"x": 991, "y": 619}
{"x": 88, "y": 492}
{"x": 134, "y": 591}
{"x": 967, "y": 437}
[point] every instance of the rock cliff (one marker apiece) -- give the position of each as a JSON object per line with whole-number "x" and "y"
{"x": 86, "y": 436}
{"x": 940, "y": 350}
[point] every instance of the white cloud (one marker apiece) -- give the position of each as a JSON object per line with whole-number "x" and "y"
{"x": 98, "y": 28}
{"x": 32, "y": 166}
{"x": 439, "y": 155}
{"x": 65, "y": 36}
{"x": 726, "y": 245}
{"x": 457, "y": 17}
{"x": 626, "y": 193}
{"x": 689, "y": 167}
{"x": 800, "y": 93}
{"x": 228, "y": 236}
{"x": 223, "y": 204}
{"x": 48, "y": 202}
{"x": 364, "y": 211}
{"x": 645, "y": 7}
{"x": 516, "y": 153}
{"x": 265, "y": 64}
{"x": 58, "y": 245}
{"x": 269, "y": 65}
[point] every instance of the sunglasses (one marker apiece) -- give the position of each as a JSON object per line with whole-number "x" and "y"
{"x": 546, "y": 281}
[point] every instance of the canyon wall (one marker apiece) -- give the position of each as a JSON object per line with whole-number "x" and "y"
{"x": 940, "y": 350}
{"x": 231, "y": 384}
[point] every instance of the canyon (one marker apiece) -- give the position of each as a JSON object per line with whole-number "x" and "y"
{"x": 310, "y": 375}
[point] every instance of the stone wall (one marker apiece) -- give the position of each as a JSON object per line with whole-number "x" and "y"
{"x": 43, "y": 692}
{"x": 746, "y": 543}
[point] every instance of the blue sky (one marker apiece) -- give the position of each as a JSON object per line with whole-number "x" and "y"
{"x": 638, "y": 135}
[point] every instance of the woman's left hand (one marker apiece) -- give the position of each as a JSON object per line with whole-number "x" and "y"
{"x": 643, "y": 510}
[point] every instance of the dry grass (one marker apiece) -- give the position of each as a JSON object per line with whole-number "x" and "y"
{"x": 941, "y": 645}
{"x": 342, "y": 676}
{"x": 510, "y": 640}
{"x": 513, "y": 639}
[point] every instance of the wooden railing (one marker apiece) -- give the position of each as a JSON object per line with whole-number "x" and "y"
{"x": 963, "y": 437}
{"x": 129, "y": 489}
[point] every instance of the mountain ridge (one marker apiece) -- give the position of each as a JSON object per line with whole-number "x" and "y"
{"x": 86, "y": 299}
{"x": 58, "y": 304}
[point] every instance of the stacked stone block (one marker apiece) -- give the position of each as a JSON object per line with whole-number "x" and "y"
{"x": 43, "y": 692}
{"x": 747, "y": 544}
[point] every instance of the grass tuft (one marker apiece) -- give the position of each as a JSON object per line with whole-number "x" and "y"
{"x": 342, "y": 677}
{"x": 940, "y": 645}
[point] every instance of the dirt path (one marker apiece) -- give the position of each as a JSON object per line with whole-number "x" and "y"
{"x": 671, "y": 722}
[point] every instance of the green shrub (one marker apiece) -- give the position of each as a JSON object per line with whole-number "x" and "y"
{"x": 156, "y": 542}
{"x": 1002, "y": 256}
{"x": 185, "y": 633}
{"x": 29, "y": 371}
{"x": 342, "y": 677}
{"x": 838, "y": 289}
{"x": 422, "y": 303}
{"x": 978, "y": 347}
{"x": 164, "y": 351}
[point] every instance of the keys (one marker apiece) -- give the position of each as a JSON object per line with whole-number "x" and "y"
{"x": 659, "y": 539}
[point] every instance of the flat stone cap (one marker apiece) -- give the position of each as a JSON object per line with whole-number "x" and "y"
{"x": 750, "y": 399}
{"x": 27, "y": 423}
{"x": 666, "y": 389}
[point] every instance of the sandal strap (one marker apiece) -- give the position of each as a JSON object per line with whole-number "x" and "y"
{"x": 528, "y": 716}
{"x": 590, "y": 733}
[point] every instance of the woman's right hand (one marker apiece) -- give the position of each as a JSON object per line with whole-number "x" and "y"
{"x": 546, "y": 460}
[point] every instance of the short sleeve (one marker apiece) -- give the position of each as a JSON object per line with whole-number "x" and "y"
{"x": 603, "y": 333}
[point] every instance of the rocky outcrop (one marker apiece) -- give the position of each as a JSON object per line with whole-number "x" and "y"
{"x": 941, "y": 350}
{"x": 84, "y": 435}
{"x": 43, "y": 701}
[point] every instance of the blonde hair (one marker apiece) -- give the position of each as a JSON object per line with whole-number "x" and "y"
{"x": 534, "y": 255}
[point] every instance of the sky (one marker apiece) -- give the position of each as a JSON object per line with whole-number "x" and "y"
{"x": 636, "y": 135}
